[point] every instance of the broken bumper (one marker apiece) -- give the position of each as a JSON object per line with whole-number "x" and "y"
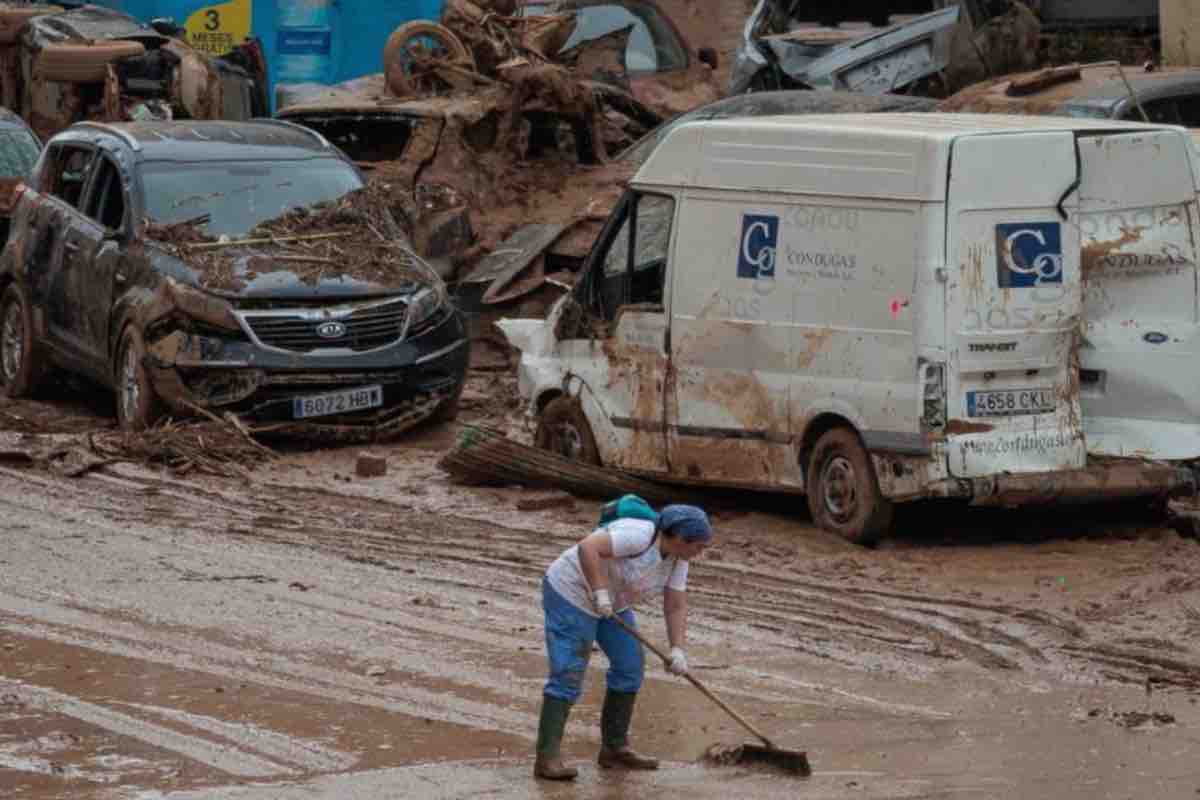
{"x": 1100, "y": 481}
{"x": 417, "y": 378}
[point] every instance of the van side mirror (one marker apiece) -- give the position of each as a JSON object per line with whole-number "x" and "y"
{"x": 708, "y": 55}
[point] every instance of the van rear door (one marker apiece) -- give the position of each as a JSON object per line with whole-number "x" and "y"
{"x": 1140, "y": 379}
{"x": 1013, "y": 304}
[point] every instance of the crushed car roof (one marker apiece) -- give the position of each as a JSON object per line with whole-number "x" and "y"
{"x": 86, "y": 24}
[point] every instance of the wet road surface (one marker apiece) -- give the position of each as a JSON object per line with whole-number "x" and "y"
{"x": 311, "y": 634}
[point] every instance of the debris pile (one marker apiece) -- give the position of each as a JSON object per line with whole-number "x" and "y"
{"x": 352, "y": 236}
{"x": 214, "y": 446}
{"x": 223, "y": 448}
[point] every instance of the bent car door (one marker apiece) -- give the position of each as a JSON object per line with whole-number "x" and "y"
{"x": 94, "y": 242}
{"x": 1140, "y": 387}
{"x": 1013, "y": 306}
{"x": 624, "y": 372}
{"x": 53, "y": 254}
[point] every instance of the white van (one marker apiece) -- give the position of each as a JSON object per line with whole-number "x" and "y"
{"x": 869, "y": 309}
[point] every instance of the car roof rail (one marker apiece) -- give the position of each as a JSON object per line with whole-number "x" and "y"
{"x": 124, "y": 136}
{"x": 296, "y": 127}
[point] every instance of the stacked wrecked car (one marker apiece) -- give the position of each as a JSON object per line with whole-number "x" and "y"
{"x": 91, "y": 63}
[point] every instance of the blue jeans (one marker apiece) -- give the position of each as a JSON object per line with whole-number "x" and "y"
{"x": 569, "y": 636}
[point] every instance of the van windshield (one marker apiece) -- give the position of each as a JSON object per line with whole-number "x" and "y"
{"x": 237, "y": 195}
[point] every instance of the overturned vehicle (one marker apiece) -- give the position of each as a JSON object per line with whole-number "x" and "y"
{"x": 92, "y": 63}
{"x": 919, "y": 306}
{"x": 873, "y": 49}
{"x": 215, "y": 267}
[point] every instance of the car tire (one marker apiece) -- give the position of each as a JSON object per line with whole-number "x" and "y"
{"x": 138, "y": 405}
{"x": 843, "y": 490}
{"x": 563, "y": 429}
{"x": 82, "y": 63}
{"x": 23, "y": 365}
{"x": 451, "y": 48}
{"x": 13, "y": 19}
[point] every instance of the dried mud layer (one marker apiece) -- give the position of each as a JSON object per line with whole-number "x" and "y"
{"x": 308, "y": 633}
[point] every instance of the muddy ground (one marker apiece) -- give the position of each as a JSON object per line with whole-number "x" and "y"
{"x": 312, "y": 634}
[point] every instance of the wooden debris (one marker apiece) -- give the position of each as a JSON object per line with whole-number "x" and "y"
{"x": 216, "y": 447}
{"x": 484, "y": 457}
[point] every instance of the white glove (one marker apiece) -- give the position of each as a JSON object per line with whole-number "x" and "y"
{"x": 678, "y": 664}
{"x": 603, "y": 602}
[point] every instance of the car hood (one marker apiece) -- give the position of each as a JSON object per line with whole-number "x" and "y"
{"x": 254, "y": 275}
{"x": 346, "y": 248}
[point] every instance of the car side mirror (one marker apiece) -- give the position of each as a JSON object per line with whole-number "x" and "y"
{"x": 708, "y": 55}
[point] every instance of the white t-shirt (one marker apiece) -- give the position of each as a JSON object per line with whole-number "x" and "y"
{"x": 631, "y": 576}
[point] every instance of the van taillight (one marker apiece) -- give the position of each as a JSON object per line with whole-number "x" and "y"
{"x": 933, "y": 394}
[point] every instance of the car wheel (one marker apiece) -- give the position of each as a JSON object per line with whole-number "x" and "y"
{"x": 843, "y": 491}
{"x": 138, "y": 407}
{"x": 563, "y": 429}
{"x": 22, "y": 364}
{"x": 82, "y": 63}
{"x": 412, "y": 50}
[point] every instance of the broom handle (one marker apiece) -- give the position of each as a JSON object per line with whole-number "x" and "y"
{"x": 695, "y": 682}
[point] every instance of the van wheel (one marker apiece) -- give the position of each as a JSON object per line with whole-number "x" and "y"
{"x": 564, "y": 430}
{"x": 138, "y": 406}
{"x": 22, "y": 364}
{"x": 843, "y": 492}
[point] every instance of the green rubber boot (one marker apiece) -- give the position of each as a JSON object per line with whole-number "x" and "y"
{"x": 553, "y": 722}
{"x": 615, "y": 718}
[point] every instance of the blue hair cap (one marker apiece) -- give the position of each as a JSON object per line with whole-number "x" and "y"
{"x": 690, "y": 523}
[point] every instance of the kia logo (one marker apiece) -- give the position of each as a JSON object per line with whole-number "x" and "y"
{"x": 331, "y": 330}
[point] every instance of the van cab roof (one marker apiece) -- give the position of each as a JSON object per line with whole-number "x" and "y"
{"x": 897, "y": 156}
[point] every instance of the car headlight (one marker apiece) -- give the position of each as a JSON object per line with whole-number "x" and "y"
{"x": 424, "y": 310}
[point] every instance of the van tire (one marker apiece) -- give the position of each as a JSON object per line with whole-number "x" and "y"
{"x": 23, "y": 365}
{"x": 843, "y": 490}
{"x": 563, "y": 429}
{"x": 82, "y": 63}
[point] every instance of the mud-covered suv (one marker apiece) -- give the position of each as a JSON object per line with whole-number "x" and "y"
{"x": 235, "y": 266}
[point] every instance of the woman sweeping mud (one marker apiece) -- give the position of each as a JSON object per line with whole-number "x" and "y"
{"x": 594, "y": 581}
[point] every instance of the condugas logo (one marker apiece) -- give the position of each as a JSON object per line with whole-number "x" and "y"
{"x": 1028, "y": 255}
{"x": 760, "y": 240}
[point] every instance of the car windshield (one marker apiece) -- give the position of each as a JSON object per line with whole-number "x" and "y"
{"x": 18, "y": 152}
{"x": 239, "y": 195}
{"x": 653, "y": 44}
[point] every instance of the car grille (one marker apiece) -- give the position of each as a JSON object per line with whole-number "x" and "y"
{"x": 366, "y": 329}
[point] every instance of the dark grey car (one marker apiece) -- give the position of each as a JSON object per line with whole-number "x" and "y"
{"x": 92, "y": 282}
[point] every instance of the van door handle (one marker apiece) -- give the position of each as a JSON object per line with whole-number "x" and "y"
{"x": 120, "y": 277}
{"x": 74, "y": 248}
